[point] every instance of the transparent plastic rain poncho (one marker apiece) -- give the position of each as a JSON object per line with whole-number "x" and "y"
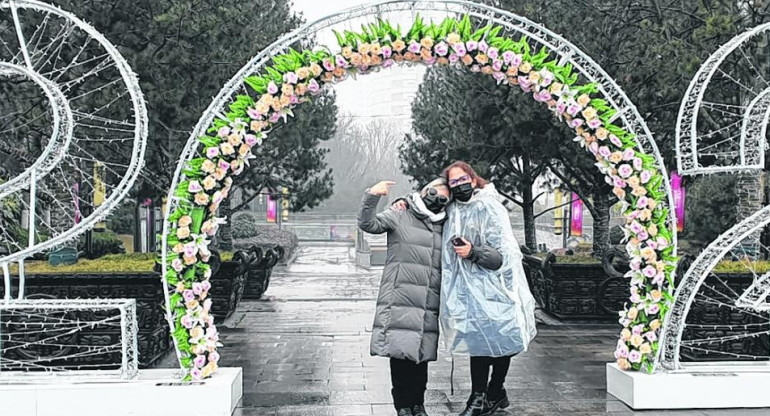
{"x": 484, "y": 312}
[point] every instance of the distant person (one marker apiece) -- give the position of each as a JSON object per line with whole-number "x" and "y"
{"x": 406, "y": 327}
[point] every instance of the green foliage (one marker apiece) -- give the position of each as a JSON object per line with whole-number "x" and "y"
{"x": 110, "y": 263}
{"x": 121, "y": 221}
{"x": 710, "y": 208}
{"x": 184, "y": 52}
{"x": 245, "y": 224}
{"x": 104, "y": 243}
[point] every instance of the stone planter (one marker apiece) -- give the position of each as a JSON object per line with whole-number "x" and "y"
{"x": 145, "y": 287}
{"x": 576, "y": 291}
{"x": 228, "y": 280}
{"x": 261, "y": 263}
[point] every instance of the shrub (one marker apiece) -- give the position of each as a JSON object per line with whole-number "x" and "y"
{"x": 104, "y": 243}
{"x": 245, "y": 225}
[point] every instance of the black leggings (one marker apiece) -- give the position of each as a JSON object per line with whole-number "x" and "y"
{"x": 480, "y": 373}
{"x": 409, "y": 381}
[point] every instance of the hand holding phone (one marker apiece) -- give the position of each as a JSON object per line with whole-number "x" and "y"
{"x": 462, "y": 247}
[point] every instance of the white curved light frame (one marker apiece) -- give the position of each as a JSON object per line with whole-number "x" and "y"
{"x": 752, "y": 154}
{"x": 626, "y": 112}
{"x": 61, "y": 131}
{"x": 752, "y": 158}
{"x": 39, "y": 168}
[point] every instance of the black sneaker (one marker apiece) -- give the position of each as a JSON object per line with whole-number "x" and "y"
{"x": 477, "y": 405}
{"x": 496, "y": 401}
{"x": 405, "y": 411}
{"x": 419, "y": 410}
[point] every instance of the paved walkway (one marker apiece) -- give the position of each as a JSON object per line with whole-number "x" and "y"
{"x": 305, "y": 351}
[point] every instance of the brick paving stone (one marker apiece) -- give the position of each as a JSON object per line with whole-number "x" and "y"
{"x": 305, "y": 351}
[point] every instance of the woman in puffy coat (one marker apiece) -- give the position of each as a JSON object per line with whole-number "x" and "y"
{"x": 487, "y": 309}
{"x": 406, "y": 327}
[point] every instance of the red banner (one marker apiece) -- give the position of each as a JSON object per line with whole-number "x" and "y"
{"x": 576, "y": 223}
{"x": 272, "y": 209}
{"x": 677, "y": 191}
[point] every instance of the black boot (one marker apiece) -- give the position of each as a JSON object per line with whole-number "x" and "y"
{"x": 405, "y": 412}
{"x": 477, "y": 405}
{"x": 497, "y": 399}
{"x": 419, "y": 410}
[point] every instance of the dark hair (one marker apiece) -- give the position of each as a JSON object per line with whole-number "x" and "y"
{"x": 465, "y": 167}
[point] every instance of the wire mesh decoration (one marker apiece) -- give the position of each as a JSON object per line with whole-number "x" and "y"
{"x": 73, "y": 128}
{"x": 625, "y": 113}
{"x": 720, "y": 321}
{"x": 722, "y": 121}
{"x": 45, "y": 340}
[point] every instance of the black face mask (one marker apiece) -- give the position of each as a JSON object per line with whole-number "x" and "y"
{"x": 435, "y": 202}
{"x": 463, "y": 192}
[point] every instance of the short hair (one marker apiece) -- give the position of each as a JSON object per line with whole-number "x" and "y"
{"x": 436, "y": 183}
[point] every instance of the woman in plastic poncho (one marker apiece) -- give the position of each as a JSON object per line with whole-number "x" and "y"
{"x": 487, "y": 309}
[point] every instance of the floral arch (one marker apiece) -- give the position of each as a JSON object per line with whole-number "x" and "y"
{"x": 510, "y": 48}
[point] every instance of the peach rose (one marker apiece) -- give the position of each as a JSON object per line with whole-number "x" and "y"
{"x": 583, "y": 100}
{"x": 209, "y": 183}
{"x": 453, "y": 38}
{"x": 208, "y": 166}
{"x": 655, "y": 324}
{"x": 303, "y": 72}
{"x": 182, "y": 232}
{"x": 201, "y": 198}
{"x": 426, "y": 43}
{"x": 399, "y": 45}
{"x": 525, "y": 67}
{"x": 185, "y": 220}
{"x": 315, "y": 69}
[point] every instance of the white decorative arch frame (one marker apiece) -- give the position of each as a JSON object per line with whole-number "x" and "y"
{"x": 190, "y": 215}
{"x": 752, "y": 142}
{"x": 59, "y": 144}
{"x": 752, "y": 147}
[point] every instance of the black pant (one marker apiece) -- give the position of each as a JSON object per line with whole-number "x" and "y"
{"x": 409, "y": 381}
{"x": 480, "y": 374}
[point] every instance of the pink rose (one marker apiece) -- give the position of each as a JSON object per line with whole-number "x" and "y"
{"x": 441, "y": 48}
{"x": 649, "y": 271}
{"x": 272, "y": 89}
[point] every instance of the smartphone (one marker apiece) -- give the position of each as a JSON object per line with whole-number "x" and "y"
{"x": 458, "y": 242}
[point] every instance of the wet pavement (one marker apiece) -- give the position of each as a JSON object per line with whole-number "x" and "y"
{"x": 305, "y": 351}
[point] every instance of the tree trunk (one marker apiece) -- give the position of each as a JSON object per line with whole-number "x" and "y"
{"x": 528, "y": 207}
{"x": 750, "y": 188}
{"x": 225, "y": 231}
{"x": 601, "y": 227}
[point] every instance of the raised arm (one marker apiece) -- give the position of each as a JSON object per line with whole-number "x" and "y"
{"x": 368, "y": 220}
